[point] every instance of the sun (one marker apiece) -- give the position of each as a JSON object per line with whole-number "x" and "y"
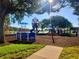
{"x": 50, "y": 1}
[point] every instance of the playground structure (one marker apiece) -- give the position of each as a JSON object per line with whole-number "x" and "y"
{"x": 21, "y": 35}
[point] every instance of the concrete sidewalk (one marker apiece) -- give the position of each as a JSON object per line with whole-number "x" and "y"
{"x": 48, "y": 52}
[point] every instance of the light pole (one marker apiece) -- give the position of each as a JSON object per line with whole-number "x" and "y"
{"x": 50, "y": 2}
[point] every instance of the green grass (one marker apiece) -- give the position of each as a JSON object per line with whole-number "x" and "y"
{"x": 70, "y": 53}
{"x": 19, "y": 51}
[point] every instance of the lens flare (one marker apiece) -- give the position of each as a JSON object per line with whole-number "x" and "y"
{"x": 50, "y": 1}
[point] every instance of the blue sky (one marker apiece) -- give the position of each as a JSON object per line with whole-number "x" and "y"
{"x": 67, "y": 12}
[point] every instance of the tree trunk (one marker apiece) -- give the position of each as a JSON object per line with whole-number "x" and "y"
{"x": 78, "y": 32}
{"x": 1, "y": 31}
{"x": 2, "y": 18}
{"x": 4, "y": 10}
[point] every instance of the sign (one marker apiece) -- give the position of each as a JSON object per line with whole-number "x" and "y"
{"x": 23, "y": 23}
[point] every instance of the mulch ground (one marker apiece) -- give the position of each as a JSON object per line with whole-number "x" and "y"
{"x": 61, "y": 41}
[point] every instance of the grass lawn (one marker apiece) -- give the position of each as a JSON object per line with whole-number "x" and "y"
{"x": 18, "y": 51}
{"x": 70, "y": 53}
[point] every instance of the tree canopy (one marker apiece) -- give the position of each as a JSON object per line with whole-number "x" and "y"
{"x": 19, "y": 8}
{"x": 75, "y": 5}
{"x": 57, "y": 21}
{"x": 31, "y": 6}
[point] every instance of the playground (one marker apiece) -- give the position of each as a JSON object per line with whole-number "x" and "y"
{"x": 62, "y": 41}
{"x": 39, "y": 29}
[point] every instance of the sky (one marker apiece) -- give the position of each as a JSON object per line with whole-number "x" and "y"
{"x": 66, "y": 12}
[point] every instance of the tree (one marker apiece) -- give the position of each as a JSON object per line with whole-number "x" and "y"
{"x": 61, "y": 22}
{"x": 57, "y": 21}
{"x": 10, "y": 7}
{"x": 18, "y": 8}
{"x": 75, "y": 5}
{"x": 44, "y": 23}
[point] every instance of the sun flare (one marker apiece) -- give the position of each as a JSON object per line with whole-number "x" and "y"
{"x": 50, "y": 1}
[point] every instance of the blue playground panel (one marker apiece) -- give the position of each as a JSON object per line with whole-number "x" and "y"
{"x": 26, "y": 37}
